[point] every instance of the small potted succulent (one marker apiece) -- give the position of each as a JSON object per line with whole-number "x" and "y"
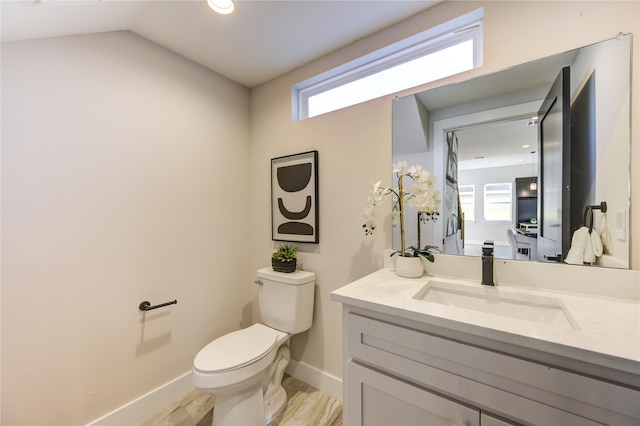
{"x": 284, "y": 258}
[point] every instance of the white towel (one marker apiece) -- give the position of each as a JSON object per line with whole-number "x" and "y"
{"x": 605, "y": 235}
{"x": 588, "y": 256}
{"x": 596, "y": 243}
{"x": 585, "y": 247}
{"x": 578, "y": 246}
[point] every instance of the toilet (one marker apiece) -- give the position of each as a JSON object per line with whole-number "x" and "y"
{"x": 244, "y": 368}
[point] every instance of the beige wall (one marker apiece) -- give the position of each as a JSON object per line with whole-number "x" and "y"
{"x": 354, "y": 144}
{"x": 127, "y": 173}
{"x": 124, "y": 178}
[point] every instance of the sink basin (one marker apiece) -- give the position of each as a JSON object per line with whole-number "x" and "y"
{"x": 496, "y": 301}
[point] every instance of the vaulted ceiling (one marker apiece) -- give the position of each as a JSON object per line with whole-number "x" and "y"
{"x": 259, "y": 41}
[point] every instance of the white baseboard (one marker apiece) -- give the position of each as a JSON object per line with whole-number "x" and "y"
{"x": 319, "y": 379}
{"x": 158, "y": 399}
{"x": 148, "y": 404}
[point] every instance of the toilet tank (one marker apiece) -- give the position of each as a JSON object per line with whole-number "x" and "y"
{"x": 286, "y": 299}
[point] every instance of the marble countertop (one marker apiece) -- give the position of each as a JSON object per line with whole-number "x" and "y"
{"x": 605, "y": 332}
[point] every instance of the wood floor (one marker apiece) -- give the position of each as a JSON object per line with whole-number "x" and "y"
{"x": 305, "y": 406}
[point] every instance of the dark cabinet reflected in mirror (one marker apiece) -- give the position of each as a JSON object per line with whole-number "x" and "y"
{"x": 526, "y": 157}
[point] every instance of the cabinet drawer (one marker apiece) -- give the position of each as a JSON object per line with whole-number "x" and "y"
{"x": 489, "y": 420}
{"x": 382, "y": 400}
{"x": 511, "y": 387}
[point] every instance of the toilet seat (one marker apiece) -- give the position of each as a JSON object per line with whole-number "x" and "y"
{"x": 237, "y": 349}
{"x": 237, "y": 359}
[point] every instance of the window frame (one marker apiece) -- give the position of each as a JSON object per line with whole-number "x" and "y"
{"x": 455, "y": 31}
{"x": 472, "y": 196}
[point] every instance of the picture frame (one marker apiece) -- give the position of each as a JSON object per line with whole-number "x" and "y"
{"x": 452, "y": 218}
{"x": 294, "y": 198}
{"x": 452, "y": 157}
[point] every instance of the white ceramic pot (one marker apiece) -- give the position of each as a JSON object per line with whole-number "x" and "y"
{"x": 409, "y": 267}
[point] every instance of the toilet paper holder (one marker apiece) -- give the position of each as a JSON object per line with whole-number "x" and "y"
{"x": 146, "y": 305}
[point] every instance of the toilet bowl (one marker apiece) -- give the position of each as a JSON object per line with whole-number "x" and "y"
{"x": 237, "y": 367}
{"x": 244, "y": 368}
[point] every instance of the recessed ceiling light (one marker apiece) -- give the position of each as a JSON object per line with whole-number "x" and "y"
{"x": 526, "y": 146}
{"x": 224, "y": 7}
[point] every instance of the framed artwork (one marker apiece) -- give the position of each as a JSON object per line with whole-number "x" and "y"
{"x": 452, "y": 209}
{"x": 452, "y": 157}
{"x": 294, "y": 198}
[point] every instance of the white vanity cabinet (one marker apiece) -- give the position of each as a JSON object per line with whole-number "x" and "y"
{"x": 403, "y": 372}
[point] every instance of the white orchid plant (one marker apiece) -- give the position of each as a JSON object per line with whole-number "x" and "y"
{"x": 421, "y": 195}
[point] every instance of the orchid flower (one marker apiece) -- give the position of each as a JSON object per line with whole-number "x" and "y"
{"x": 421, "y": 195}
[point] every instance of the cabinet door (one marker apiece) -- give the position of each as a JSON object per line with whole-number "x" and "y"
{"x": 377, "y": 399}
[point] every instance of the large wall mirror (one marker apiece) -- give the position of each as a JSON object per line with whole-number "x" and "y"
{"x": 535, "y": 157}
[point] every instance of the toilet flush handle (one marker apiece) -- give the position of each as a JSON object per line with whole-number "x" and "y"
{"x": 259, "y": 282}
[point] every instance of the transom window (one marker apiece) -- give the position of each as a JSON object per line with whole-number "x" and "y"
{"x": 445, "y": 50}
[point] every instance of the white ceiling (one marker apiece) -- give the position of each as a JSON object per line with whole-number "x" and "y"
{"x": 498, "y": 144}
{"x": 259, "y": 41}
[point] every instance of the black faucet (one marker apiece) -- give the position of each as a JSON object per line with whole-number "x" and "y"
{"x": 487, "y": 263}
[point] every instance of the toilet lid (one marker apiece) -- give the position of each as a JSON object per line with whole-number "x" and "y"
{"x": 237, "y": 349}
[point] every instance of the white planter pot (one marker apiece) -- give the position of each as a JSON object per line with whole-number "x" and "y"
{"x": 409, "y": 267}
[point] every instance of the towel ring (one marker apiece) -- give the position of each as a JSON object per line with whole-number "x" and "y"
{"x": 587, "y": 216}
